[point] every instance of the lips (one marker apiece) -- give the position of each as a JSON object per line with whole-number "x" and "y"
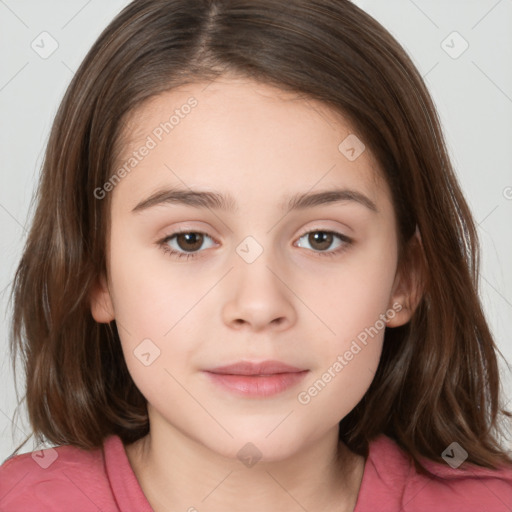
{"x": 250, "y": 368}
{"x": 256, "y": 380}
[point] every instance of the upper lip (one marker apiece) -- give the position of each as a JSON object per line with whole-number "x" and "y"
{"x": 251, "y": 368}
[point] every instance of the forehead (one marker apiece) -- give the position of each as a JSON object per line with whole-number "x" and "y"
{"x": 240, "y": 135}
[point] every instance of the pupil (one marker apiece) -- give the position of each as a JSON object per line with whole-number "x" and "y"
{"x": 193, "y": 241}
{"x": 318, "y": 236}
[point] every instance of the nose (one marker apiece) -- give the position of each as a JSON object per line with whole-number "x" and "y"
{"x": 259, "y": 296}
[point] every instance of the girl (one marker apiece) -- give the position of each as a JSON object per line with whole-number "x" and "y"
{"x": 251, "y": 278}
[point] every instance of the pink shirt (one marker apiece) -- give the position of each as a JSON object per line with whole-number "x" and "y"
{"x": 68, "y": 479}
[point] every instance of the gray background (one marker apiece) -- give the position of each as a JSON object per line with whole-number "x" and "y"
{"x": 472, "y": 90}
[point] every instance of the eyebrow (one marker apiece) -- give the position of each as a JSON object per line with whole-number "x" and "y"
{"x": 227, "y": 203}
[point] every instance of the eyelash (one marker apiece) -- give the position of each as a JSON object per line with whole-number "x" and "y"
{"x": 163, "y": 244}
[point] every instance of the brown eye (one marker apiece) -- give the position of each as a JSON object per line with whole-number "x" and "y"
{"x": 320, "y": 241}
{"x": 189, "y": 241}
{"x": 184, "y": 244}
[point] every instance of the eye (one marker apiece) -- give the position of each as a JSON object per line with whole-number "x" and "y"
{"x": 186, "y": 244}
{"x": 324, "y": 239}
{"x": 187, "y": 241}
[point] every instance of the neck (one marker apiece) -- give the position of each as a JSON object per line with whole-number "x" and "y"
{"x": 176, "y": 472}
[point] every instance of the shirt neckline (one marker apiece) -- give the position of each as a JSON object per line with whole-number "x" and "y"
{"x": 125, "y": 487}
{"x": 129, "y": 495}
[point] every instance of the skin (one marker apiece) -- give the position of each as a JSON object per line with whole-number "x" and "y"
{"x": 260, "y": 145}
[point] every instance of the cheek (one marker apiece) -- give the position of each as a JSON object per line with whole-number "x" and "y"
{"x": 147, "y": 301}
{"x": 153, "y": 308}
{"x": 349, "y": 296}
{"x": 350, "y": 304}
{"x": 341, "y": 384}
{"x": 348, "y": 353}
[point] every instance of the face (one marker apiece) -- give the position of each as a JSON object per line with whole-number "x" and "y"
{"x": 194, "y": 286}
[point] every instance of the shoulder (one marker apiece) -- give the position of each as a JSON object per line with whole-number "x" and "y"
{"x": 56, "y": 479}
{"x": 391, "y": 482}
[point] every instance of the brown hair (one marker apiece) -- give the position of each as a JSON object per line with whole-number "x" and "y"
{"x": 438, "y": 379}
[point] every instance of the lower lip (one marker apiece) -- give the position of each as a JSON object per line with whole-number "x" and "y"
{"x": 257, "y": 386}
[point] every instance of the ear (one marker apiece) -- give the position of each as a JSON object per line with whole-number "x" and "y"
{"x": 408, "y": 287}
{"x": 102, "y": 308}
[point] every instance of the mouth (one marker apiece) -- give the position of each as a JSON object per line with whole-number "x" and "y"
{"x": 248, "y": 379}
{"x": 253, "y": 368}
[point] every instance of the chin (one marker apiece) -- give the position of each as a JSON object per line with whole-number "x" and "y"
{"x": 255, "y": 447}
